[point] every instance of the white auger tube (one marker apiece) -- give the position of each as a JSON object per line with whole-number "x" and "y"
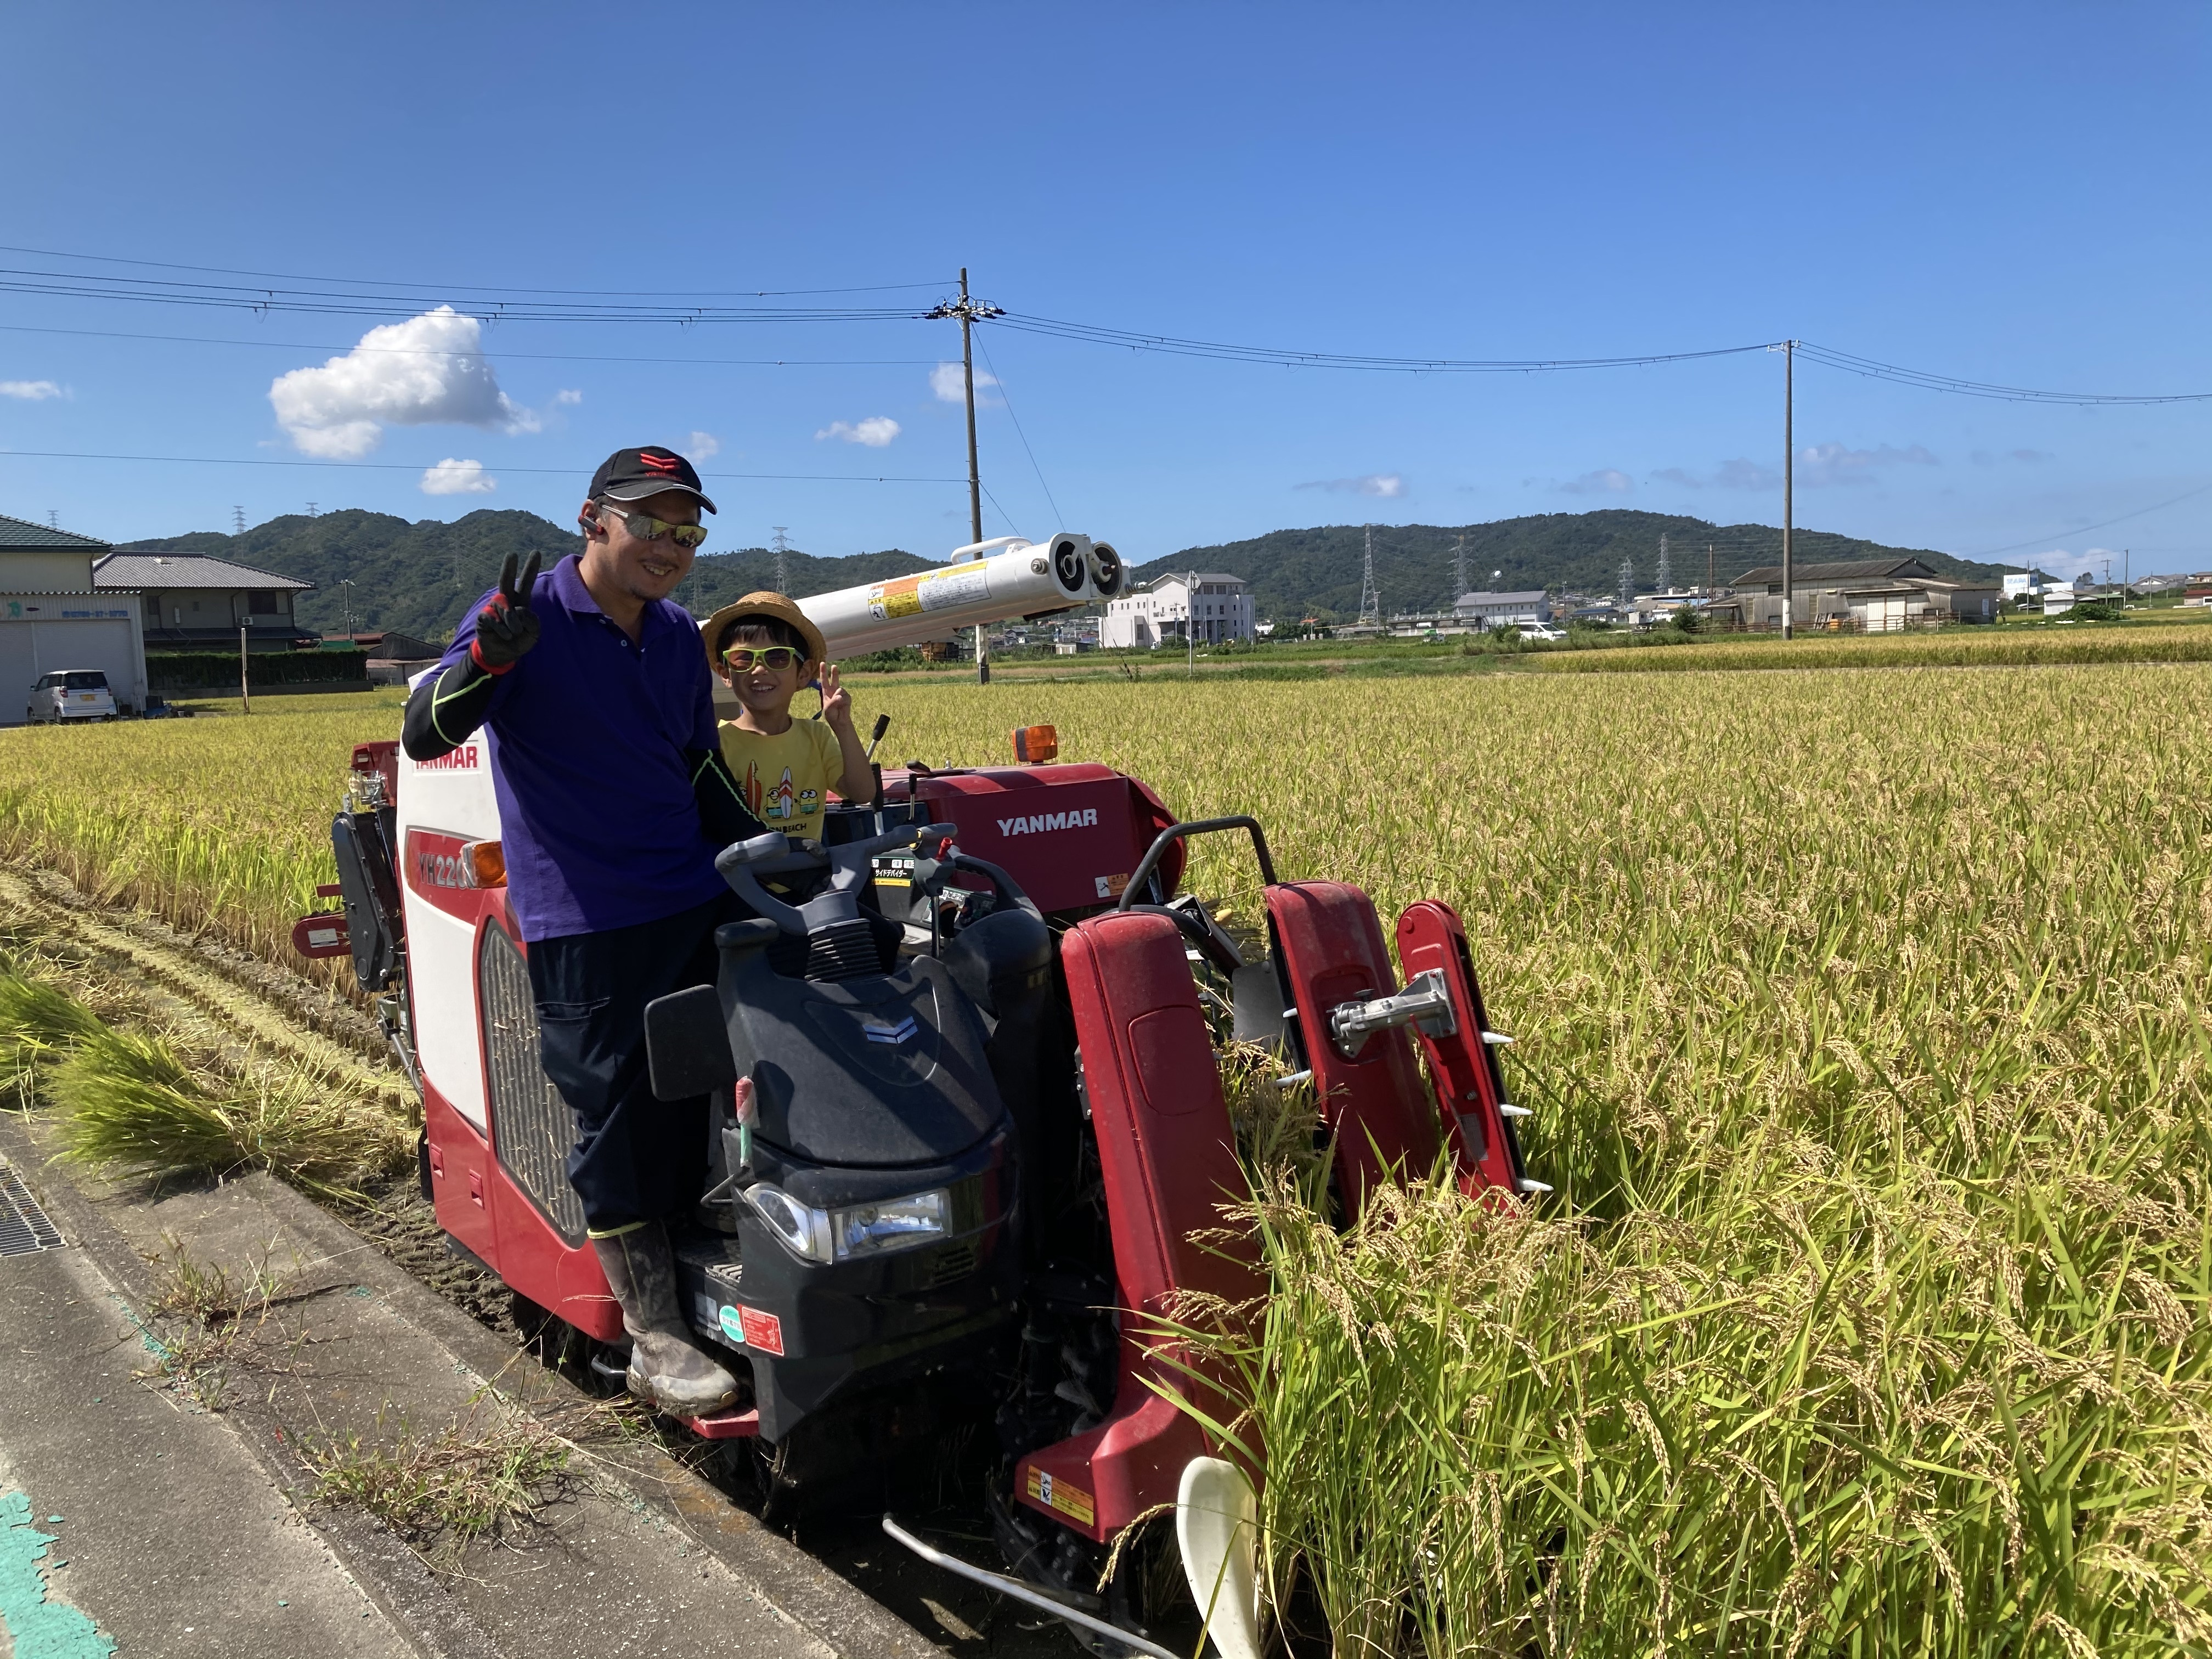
{"x": 1023, "y": 580}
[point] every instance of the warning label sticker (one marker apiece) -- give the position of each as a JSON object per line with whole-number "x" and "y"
{"x": 1111, "y": 886}
{"x": 931, "y": 590}
{"x": 1071, "y": 1501}
{"x": 763, "y": 1331}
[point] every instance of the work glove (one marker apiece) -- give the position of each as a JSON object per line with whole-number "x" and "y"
{"x": 506, "y": 627}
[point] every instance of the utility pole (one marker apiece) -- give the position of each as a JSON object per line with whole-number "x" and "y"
{"x": 1666, "y": 567}
{"x": 1709, "y": 570}
{"x": 346, "y": 582}
{"x": 1788, "y": 481}
{"x": 1458, "y": 568}
{"x": 245, "y": 692}
{"x": 1370, "y": 597}
{"x": 1190, "y": 624}
{"x": 783, "y": 563}
{"x": 969, "y": 312}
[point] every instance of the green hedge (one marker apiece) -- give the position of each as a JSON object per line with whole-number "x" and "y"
{"x": 168, "y": 670}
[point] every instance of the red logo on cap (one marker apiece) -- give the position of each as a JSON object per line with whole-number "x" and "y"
{"x": 659, "y": 463}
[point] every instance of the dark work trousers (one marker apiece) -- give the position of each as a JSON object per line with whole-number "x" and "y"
{"x": 636, "y": 1158}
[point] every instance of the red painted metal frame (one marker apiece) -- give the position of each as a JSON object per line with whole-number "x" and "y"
{"x": 476, "y": 1199}
{"x": 1468, "y": 1081}
{"x": 1330, "y": 943}
{"x": 1168, "y": 1159}
{"x": 1063, "y": 869}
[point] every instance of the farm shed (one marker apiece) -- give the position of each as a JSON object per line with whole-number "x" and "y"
{"x": 50, "y": 617}
{"x": 1874, "y": 594}
{"x": 194, "y": 602}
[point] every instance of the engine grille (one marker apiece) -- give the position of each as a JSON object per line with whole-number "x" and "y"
{"x": 955, "y": 1262}
{"x": 531, "y": 1127}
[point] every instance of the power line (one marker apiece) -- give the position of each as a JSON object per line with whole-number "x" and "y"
{"x": 2083, "y": 530}
{"x": 1009, "y": 402}
{"x": 526, "y": 356}
{"x": 410, "y": 466}
{"x": 401, "y": 306}
{"x": 1288, "y": 358}
{"x": 1929, "y": 381}
{"x": 471, "y": 288}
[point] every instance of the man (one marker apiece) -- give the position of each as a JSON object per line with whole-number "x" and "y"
{"x": 613, "y": 801}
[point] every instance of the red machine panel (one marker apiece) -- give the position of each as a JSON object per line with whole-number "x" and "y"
{"x": 1473, "y": 1089}
{"x": 1069, "y": 836}
{"x": 1169, "y": 1160}
{"x": 1331, "y": 950}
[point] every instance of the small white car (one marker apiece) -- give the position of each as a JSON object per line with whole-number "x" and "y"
{"x": 71, "y": 693}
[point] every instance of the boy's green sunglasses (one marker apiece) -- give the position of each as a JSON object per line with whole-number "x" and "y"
{"x": 774, "y": 657}
{"x": 648, "y": 528}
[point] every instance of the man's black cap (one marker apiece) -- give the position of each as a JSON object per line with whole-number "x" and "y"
{"x": 631, "y": 474}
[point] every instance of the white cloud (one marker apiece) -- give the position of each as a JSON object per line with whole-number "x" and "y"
{"x": 568, "y": 395}
{"x": 1605, "y": 481}
{"x": 1388, "y": 485}
{"x": 1836, "y": 464}
{"x": 703, "y": 447}
{"x": 427, "y": 371}
{"x": 947, "y": 382}
{"x": 1675, "y": 475}
{"x": 453, "y": 477}
{"x": 32, "y": 391}
{"x": 875, "y": 432}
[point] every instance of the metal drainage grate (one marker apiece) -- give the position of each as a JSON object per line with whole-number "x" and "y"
{"x": 23, "y": 1224}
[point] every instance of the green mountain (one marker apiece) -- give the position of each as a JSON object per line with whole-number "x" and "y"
{"x": 418, "y": 577}
{"x": 1316, "y": 573}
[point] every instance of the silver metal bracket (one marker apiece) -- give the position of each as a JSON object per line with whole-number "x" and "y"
{"x": 1426, "y": 1002}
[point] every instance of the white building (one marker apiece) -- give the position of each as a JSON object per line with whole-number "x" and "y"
{"x": 1208, "y": 607}
{"x": 51, "y": 617}
{"x": 1528, "y": 610}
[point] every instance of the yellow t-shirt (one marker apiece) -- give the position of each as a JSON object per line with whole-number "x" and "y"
{"x": 785, "y": 778}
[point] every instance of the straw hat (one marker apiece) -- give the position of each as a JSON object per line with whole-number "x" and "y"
{"x": 763, "y": 603}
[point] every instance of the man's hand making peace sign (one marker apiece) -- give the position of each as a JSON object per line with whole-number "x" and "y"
{"x": 506, "y": 627}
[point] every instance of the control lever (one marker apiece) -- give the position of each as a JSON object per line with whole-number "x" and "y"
{"x": 883, "y": 725}
{"x": 1426, "y": 1002}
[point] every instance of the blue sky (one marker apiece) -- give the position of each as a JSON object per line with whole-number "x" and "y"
{"x": 2011, "y": 193}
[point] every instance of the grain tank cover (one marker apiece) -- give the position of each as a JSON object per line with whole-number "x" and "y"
{"x": 1069, "y": 836}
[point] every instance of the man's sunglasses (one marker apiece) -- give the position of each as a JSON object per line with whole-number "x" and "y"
{"x": 774, "y": 657}
{"x": 647, "y": 529}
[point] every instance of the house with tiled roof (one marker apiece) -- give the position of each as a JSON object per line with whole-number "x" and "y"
{"x": 192, "y": 602}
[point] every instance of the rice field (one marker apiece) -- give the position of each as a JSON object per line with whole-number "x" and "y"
{"x": 1864, "y": 1019}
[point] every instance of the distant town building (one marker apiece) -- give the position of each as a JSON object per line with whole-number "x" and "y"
{"x": 1208, "y": 608}
{"x": 1530, "y": 609}
{"x": 194, "y": 602}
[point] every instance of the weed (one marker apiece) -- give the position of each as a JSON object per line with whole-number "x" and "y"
{"x": 444, "y": 1491}
{"x": 211, "y": 1324}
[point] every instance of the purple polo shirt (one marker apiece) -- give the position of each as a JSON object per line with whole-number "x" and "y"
{"x": 587, "y": 733}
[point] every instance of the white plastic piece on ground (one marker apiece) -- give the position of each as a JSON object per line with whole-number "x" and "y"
{"x": 1218, "y": 1528}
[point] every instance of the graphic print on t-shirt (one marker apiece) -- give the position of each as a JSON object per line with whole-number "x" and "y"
{"x": 770, "y": 805}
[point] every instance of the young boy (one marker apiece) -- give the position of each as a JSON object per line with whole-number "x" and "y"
{"x": 764, "y": 649}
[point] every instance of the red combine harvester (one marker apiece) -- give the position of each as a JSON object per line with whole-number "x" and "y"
{"x": 979, "y": 1158}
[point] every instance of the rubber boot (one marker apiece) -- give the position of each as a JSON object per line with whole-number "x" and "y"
{"x": 667, "y": 1367}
